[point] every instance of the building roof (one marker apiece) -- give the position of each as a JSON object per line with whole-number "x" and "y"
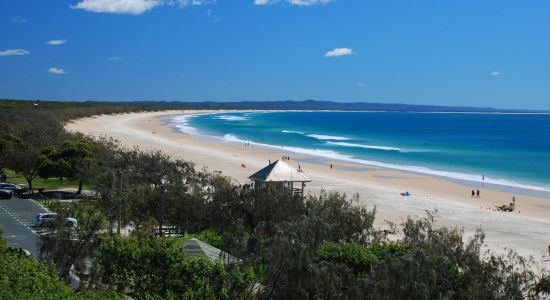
{"x": 194, "y": 247}
{"x": 279, "y": 171}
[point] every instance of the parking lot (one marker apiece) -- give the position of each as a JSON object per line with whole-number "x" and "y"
{"x": 17, "y": 218}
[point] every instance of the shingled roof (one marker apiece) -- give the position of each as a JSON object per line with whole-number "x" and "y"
{"x": 195, "y": 247}
{"x": 279, "y": 171}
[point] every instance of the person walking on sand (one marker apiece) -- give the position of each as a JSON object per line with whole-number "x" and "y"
{"x": 477, "y": 194}
{"x": 331, "y": 166}
{"x": 473, "y": 193}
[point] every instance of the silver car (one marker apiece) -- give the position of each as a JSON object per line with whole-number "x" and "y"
{"x": 48, "y": 219}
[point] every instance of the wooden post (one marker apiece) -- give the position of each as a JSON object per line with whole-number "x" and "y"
{"x": 303, "y": 184}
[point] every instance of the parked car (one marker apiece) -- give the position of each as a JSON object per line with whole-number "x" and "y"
{"x": 15, "y": 188}
{"x": 48, "y": 219}
{"x": 5, "y": 194}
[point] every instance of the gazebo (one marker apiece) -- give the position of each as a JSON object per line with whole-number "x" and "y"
{"x": 195, "y": 247}
{"x": 280, "y": 176}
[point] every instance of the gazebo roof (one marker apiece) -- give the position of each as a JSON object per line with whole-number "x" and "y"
{"x": 194, "y": 247}
{"x": 279, "y": 171}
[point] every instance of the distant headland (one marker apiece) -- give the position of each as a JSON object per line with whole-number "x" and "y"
{"x": 286, "y": 105}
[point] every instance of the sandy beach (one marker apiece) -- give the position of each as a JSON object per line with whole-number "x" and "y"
{"x": 526, "y": 230}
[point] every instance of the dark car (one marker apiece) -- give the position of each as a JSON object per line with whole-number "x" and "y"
{"x": 15, "y": 188}
{"x": 5, "y": 194}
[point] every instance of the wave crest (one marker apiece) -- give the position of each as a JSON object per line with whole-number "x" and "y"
{"x": 374, "y": 147}
{"x": 230, "y": 118}
{"x": 330, "y": 154}
{"x": 183, "y": 124}
{"x": 292, "y": 131}
{"x": 323, "y": 137}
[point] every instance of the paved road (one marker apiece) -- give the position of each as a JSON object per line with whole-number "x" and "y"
{"x": 17, "y": 217}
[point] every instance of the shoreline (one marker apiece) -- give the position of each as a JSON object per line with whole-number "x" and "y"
{"x": 525, "y": 230}
{"x": 466, "y": 179}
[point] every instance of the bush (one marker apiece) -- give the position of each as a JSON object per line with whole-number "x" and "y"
{"x": 23, "y": 277}
{"x": 156, "y": 268}
{"x": 355, "y": 256}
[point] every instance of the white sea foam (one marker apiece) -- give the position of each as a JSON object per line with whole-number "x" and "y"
{"x": 292, "y": 131}
{"x": 423, "y": 170}
{"x": 230, "y": 118}
{"x": 323, "y": 137}
{"x": 375, "y": 147}
{"x": 316, "y": 152}
{"x": 233, "y": 139}
{"x": 183, "y": 124}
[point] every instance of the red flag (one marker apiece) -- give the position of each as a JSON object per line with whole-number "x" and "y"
{"x": 243, "y": 165}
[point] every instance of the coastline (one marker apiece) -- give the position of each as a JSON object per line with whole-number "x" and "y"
{"x": 526, "y": 230}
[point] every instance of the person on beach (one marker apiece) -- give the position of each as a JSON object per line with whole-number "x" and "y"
{"x": 483, "y": 177}
{"x": 331, "y": 166}
{"x": 477, "y": 194}
{"x": 514, "y": 199}
{"x": 473, "y": 193}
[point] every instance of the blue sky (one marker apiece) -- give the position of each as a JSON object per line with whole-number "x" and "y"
{"x": 476, "y": 53}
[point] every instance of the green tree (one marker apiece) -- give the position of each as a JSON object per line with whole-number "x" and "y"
{"x": 71, "y": 159}
{"x": 68, "y": 247}
{"x": 23, "y": 277}
{"x": 157, "y": 268}
{"x": 33, "y": 133}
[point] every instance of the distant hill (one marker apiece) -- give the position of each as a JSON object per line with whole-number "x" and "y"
{"x": 350, "y": 106}
{"x": 272, "y": 105}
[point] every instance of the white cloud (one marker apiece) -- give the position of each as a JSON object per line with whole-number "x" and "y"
{"x": 308, "y": 2}
{"x": 195, "y": 2}
{"x": 133, "y": 7}
{"x": 18, "y": 19}
{"x": 56, "y": 42}
{"x": 213, "y": 17}
{"x": 495, "y": 73}
{"x": 57, "y": 71}
{"x": 114, "y": 58}
{"x": 14, "y": 52}
{"x": 293, "y": 2}
{"x": 339, "y": 52}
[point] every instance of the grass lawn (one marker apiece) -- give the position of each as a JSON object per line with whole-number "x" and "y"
{"x": 55, "y": 205}
{"x": 47, "y": 184}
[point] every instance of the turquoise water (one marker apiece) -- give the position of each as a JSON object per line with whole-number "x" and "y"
{"x": 509, "y": 149}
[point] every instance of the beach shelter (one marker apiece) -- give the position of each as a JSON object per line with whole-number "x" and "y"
{"x": 195, "y": 247}
{"x": 280, "y": 175}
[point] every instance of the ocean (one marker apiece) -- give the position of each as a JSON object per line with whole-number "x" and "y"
{"x": 510, "y": 150}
